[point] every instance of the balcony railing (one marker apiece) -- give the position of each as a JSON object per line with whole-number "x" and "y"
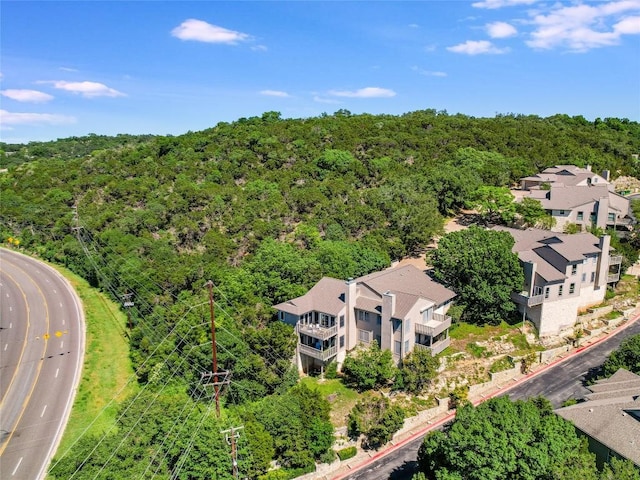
{"x": 317, "y": 331}
{"x": 613, "y": 277}
{"x": 443, "y": 322}
{"x": 528, "y": 300}
{"x": 436, "y": 348}
{"x": 323, "y": 355}
{"x": 615, "y": 260}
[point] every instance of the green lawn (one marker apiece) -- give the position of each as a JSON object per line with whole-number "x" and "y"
{"x": 107, "y": 374}
{"x": 341, "y": 398}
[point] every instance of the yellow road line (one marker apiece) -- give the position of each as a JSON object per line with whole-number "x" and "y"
{"x": 35, "y": 382}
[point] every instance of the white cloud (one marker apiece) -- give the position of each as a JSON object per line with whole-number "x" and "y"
{"x": 367, "y": 92}
{"x": 86, "y": 89}
{"x": 500, "y": 30}
{"x": 629, "y": 26}
{"x": 414, "y": 25}
{"x": 259, "y": 48}
{"x": 493, "y": 4}
{"x": 33, "y": 96}
{"x": 67, "y": 69}
{"x": 274, "y": 93}
{"x": 477, "y": 47}
{"x": 201, "y": 31}
{"x": 428, "y": 73}
{"x": 15, "y": 118}
{"x": 582, "y": 27}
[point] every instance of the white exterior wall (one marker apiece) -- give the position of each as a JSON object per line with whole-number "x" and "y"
{"x": 590, "y": 296}
{"x": 558, "y": 315}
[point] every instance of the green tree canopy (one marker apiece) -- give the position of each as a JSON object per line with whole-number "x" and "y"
{"x": 626, "y": 356}
{"x": 505, "y": 440}
{"x": 480, "y": 267}
{"x": 369, "y": 368}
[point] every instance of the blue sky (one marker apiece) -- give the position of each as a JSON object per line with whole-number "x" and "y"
{"x": 161, "y": 67}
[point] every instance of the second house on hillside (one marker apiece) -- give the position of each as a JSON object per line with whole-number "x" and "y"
{"x": 564, "y": 275}
{"x": 399, "y": 308}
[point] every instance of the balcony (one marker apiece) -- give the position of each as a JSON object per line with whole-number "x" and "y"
{"x": 615, "y": 260}
{"x": 613, "y": 277}
{"x": 528, "y": 300}
{"x": 323, "y": 355}
{"x": 438, "y": 324}
{"x": 315, "y": 330}
{"x": 435, "y": 348}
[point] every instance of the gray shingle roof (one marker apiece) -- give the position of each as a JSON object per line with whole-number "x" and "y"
{"x": 325, "y": 296}
{"x": 569, "y": 197}
{"x": 611, "y": 415}
{"x": 408, "y": 283}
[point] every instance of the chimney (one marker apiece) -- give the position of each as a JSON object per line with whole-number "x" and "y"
{"x": 588, "y": 168}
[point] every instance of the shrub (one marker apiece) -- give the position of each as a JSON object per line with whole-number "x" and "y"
{"x": 347, "y": 453}
{"x": 502, "y": 364}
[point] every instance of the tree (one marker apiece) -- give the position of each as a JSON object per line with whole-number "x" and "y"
{"x": 417, "y": 371}
{"x": 369, "y": 368}
{"x": 618, "y": 469}
{"x": 532, "y": 213}
{"x": 505, "y": 440}
{"x": 626, "y": 356}
{"x": 495, "y": 204}
{"x": 480, "y": 267}
{"x": 375, "y": 418}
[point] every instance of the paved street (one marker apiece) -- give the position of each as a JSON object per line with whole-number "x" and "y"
{"x": 41, "y": 347}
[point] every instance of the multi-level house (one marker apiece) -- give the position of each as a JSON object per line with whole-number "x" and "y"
{"x": 399, "y": 308}
{"x": 574, "y": 195}
{"x": 564, "y": 275}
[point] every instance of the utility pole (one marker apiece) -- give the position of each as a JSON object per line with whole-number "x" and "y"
{"x": 219, "y": 377}
{"x": 231, "y": 436}
{"x": 127, "y": 304}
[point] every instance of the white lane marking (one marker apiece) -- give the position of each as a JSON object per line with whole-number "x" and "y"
{"x": 54, "y": 291}
{"x": 11, "y": 309}
{"x": 7, "y": 295}
{"x": 61, "y": 344}
{"x": 60, "y": 304}
{"x": 57, "y": 371}
{"x": 63, "y": 321}
{"x": 5, "y": 346}
{"x": 10, "y": 324}
{"x": 17, "y": 466}
{"x": 43, "y": 410}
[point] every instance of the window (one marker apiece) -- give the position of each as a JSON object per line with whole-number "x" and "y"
{"x": 560, "y": 288}
{"x": 407, "y": 325}
{"x": 396, "y": 324}
{"x": 593, "y": 277}
{"x": 341, "y": 321}
{"x": 281, "y": 315}
{"x": 572, "y": 288}
{"x": 611, "y": 217}
{"x": 546, "y": 292}
{"x": 341, "y": 341}
{"x": 561, "y": 212}
{"x": 574, "y": 269}
{"x": 584, "y": 277}
{"x": 397, "y": 347}
{"x": 406, "y": 346}
{"x": 363, "y": 316}
{"x": 379, "y": 320}
{"x": 580, "y": 216}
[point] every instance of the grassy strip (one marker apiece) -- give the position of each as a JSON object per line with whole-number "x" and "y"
{"x": 107, "y": 374}
{"x": 342, "y": 398}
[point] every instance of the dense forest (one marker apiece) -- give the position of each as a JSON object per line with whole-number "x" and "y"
{"x": 263, "y": 207}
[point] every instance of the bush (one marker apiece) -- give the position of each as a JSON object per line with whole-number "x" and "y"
{"x": 502, "y": 364}
{"x": 332, "y": 371}
{"x": 347, "y": 453}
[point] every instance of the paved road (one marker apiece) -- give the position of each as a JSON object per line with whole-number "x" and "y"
{"x": 558, "y": 383}
{"x": 41, "y": 353}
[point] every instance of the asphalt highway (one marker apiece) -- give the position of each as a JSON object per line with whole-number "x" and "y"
{"x": 557, "y": 383}
{"x": 41, "y": 353}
